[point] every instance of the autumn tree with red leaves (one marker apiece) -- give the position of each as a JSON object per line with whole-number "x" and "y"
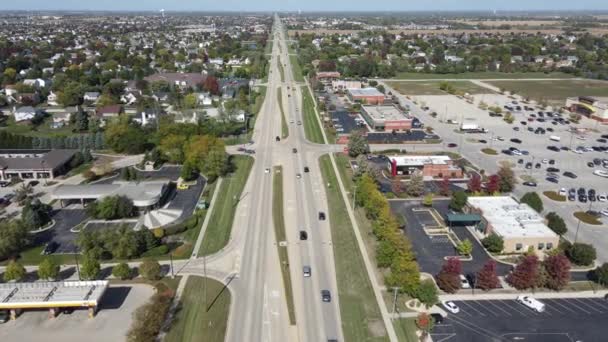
{"x": 474, "y": 184}
{"x": 486, "y": 279}
{"x": 448, "y": 279}
{"x": 492, "y": 184}
{"x": 525, "y": 275}
{"x": 558, "y": 271}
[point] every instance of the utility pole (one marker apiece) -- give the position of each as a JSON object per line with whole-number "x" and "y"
{"x": 171, "y": 261}
{"x": 395, "y": 291}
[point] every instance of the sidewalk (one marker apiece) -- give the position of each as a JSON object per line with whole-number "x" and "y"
{"x": 201, "y": 234}
{"x": 546, "y": 294}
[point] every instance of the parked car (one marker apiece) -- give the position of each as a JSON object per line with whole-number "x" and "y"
{"x": 437, "y": 318}
{"x": 531, "y": 303}
{"x": 451, "y": 307}
{"x": 529, "y": 183}
{"x": 303, "y": 235}
{"x": 50, "y": 248}
{"x": 4, "y": 316}
{"x": 464, "y": 283}
{"x": 321, "y": 216}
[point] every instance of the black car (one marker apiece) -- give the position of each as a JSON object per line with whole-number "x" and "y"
{"x": 551, "y": 161}
{"x": 482, "y": 141}
{"x": 294, "y": 150}
{"x": 552, "y": 180}
{"x": 50, "y": 248}
{"x": 277, "y": 138}
{"x": 515, "y": 140}
{"x": 507, "y": 152}
{"x": 602, "y": 140}
{"x": 452, "y": 145}
{"x": 529, "y": 183}
{"x": 528, "y": 165}
{"x": 520, "y": 161}
{"x": 321, "y": 216}
{"x": 552, "y": 169}
{"x": 571, "y": 197}
{"x": 306, "y": 169}
{"x": 582, "y": 198}
{"x": 597, "y": 161}
{"x": 4, "y": 184}
{"x": 437, "y": 318}
{"x": 590, "y": 164}
{"x": 516, "y": 128}
{"x": 326, "y": 296}
{"x": 570, "y": 175}
{"x": 303, "y": 235}
{"x": 537, "y": 166}
{"x": 549, "y": 129}
{"x": 553, "y": 148}
{"x": 581, "y": 191}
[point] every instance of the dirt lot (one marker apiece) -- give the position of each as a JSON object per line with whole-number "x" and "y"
{"x": 555, "y": 92}
{"x": 111, "y": 323}
{"x": 432, "y": 87}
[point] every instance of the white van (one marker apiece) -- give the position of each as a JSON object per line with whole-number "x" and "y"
{"x": 532, "y": 303}
{"x": 555, "y": 138}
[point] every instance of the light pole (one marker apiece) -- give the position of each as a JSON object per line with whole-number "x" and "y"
{"x": 355, "y": 196}
{"x": 395, "y": 291}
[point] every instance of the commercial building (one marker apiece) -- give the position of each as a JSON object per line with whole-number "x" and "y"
{"x": 145, "y": 195}
{"x": 52, "y": 296}
{"x": 34, "y": 164}
{"x": 341, "y": 85}
{"x": 593, "y": 107}
{"x": 386, "y": 118}
{"x": 430, "y": 166}
{"x": 519, "y": 225}
{"x": 365, "y": 95}
{"x": 327, "y": 75}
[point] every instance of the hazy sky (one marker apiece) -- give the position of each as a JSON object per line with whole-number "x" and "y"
{"x": 308, "y": 5}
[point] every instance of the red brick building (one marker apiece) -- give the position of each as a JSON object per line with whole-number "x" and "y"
{"x": 430, "y": 166}
{"x": 366, "y": 95}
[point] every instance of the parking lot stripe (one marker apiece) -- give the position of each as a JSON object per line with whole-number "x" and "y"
{"x": 577, "y": 306}
{"x": 477, "y": 329}
{"x": 589, "y": 306}
{"x": 470, "y": 306}
{"x": 600, "y": 302}
{"x": 513, "y": 306}
{"x": 498, "y": 307}
{"x": 561, "y": 305}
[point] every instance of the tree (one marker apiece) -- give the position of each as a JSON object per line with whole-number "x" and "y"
{"x": 493, "y": 184}
{"x": 90, "y": 268}
{"x": 187, "y": 173}
{"x": 507, "y": 180}
{"x": 13, "y": 237}
{"x": 211, "y": 85}
{"x": 525, "y": 275}
{"x": 448, "y": 278}
{"x": 122, "y": 271}
{"x": 14, "y": 271}
{"x": 459, "y": 200}
{"x": 444, "y": 186}
{"x": 474, "y": 184}
{"x": 558, "y": 271}
{"x": 190, "y": 101}
{"x": 112, "y": 208}
{"x": 81, "y": 121}
{"x": 601, "y": 274}
{"x": 426, "y": 293}
{"x": 357, "y": 144}
{"x": 150, "y": 269}
{"x": 48, "y": 269}
{"x": 71, "y": 94}
{"x": 533, "y": 200}
{"x": 124, "y": 136}
{"x": 581, "y": 254}
{"x": 556, "y": 223}
{"x": 415, "y": 187}
{"x": 23, "y": 193}
{"x": 425, "y": 323}
{"x": 493, "y": 243}
{"x": 486, "y": 279}
{"x": 465, "y": 247}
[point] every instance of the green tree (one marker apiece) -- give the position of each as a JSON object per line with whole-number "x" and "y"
{"x": 581, "y": 254}
{"x": 507, "y": 180}
{"x": 122, "y": 271}
{"x": 601, "y": 274}
{"x": 415, "y": 187}
{"x": 187, "y": 173}
{"x": 556, "y": 223}
{"x": 357, "y": 144}
{"x": 459, "y": 200}
{"x": 9, "y": 75}
{"x": 465, "y": 247}
{"x": 427, "y": 201}
{"x": 533, "y": 200}
{"x": 190, "y": 101}
{"x": 493, "y": 243}
{"x": 90, "y": 268}
{"x": 150, "y": 269}
{"x": 124, "y": 136}
{"x": 426, "y": 293}
{"x": 71, "y": 94}
{"x": 48, "y": 269}
{"x": 14, "y": 271}
{"x": 14, "y": 237}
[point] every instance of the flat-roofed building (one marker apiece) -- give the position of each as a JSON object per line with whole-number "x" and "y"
{"x": 365, "y": 95}
{"x": 386, "y": 118}
{"x": 340, "y": 85}
{"x": 593, "y": 107}
{"x": 430, "y": 166}
{"x": 34, "y": 164}
{"x": 145, "y": 195}
{"x": 517, "y": 223}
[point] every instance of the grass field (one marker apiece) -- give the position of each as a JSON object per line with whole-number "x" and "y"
{"x": 481, "y": 75}
{"x": 432, "y": 87}
{"x": 297, "y": 70}
{"x": 201, "y": 318}
{"x": 220, "y": 222}
{"x": 279, "y": 232}
{"x": 406, "y": 329}
{"x": 361, "y": 319}
{"x": 311, "y": 124}
{"x": 268, "y": 48}
{"x": 284, "y": 127}
{"x": 554, "y": 92}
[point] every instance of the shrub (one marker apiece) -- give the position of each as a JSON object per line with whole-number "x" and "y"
{"x": 148, "y": 319}
{"x": 601, "y": 274}
{"x": 48, "y": 269}
{"x": 426, "y": 293}
{"x": 465, "y": 247}
{"x": 459, "y": 200}
{"x": 122, "y": 271}
{"x": 493, "y": 243}
{"x": 581, "y": 254}
{"x": 556, "y": 223}
{"x": 14, "y": 271}
{"x": 159, "y": 233}
{"x": 150, "y": 269}
{"x": 533, "y": 200}
{"x": 156, "y": 251}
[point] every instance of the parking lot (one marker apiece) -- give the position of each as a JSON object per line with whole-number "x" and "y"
{"x": 345, "y": 122}
{"x": 110, "y": 324}
{"x": 572, "y": 319}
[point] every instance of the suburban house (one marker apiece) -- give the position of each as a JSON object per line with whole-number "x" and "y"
{"x": 51, "y": 100}
{"x": 149, "y": 115}
{"x": 34, "y": 164}
{"x": 111, "y": 111}
{"x": 91, "y": 96}
{"x": 24, "y": 113}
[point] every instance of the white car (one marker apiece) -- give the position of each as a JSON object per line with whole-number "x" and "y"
{"x": 545, "y": 161}
{"x": 532, "y": 303}
{"x": 563, "y": 192}
{"x": 464, "y": 283}
{"x": 602, "y": 198}
{"x": 601, "y": 173}
{"x": 267, "y": 170}
{"x": 451, "y": 307}
{"x": 604, "y": 212}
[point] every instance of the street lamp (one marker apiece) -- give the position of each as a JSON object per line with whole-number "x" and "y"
{"x": 43, "y": 172}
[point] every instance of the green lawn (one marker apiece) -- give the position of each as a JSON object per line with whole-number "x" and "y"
{"x": 406, "y": 329}
{"x": 279, "y": 232}
{"x": 268, "y": 48}
{"x": 481, "y": 75}
{"x": 361, "y": 319}
{"x": 284, "y": 127}
{"x": 297, "y": 70}
{"x": 220, "y": 222}
{"x": 432, "y": 87}
{"x": 282, "y": 71}
{"x": 311, "y": 124}
{"x": 554, "y": 92}
{"x": 201, "y": 317}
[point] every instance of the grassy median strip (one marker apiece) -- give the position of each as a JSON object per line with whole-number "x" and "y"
{"x": 279, "y": 232}
{"x": 282, "y": 71}
{"x": 311, "y": 124}
{"x": 361, "y": 319}
{"x": 284, "y": 128}
{"x": 220, "y": 222}
{"x": 203, "y": 312}
{"x": 406, "y": 329}
{"x": 295, "y": 66}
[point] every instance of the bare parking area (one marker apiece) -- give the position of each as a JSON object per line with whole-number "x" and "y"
{"x": 564, "y": 320}
{"x": 110, "y": 324}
